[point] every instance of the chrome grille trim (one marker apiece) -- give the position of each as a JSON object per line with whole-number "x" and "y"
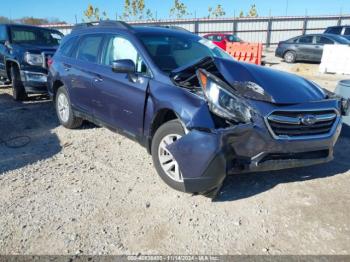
{"x": 327, "y": 121}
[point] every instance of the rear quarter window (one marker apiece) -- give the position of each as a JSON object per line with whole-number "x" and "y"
{"x": 68, "y": 47}
{"x": 334, "y": 30}
{"x": 89, "y": 48}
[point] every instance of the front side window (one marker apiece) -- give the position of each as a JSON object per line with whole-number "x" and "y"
{"x": 172, "y": 51}
{"x": 89, "y": 48}
{"x": 36, "y": 36}
{"x": 119, "y": 48}
{"x": 233, "y": 38}
{"x": 305, "y": 40}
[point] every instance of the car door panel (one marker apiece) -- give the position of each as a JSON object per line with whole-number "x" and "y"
{"x": 118, "y": 101}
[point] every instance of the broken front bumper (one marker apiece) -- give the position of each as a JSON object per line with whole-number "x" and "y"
{"x": 206, "y": 157}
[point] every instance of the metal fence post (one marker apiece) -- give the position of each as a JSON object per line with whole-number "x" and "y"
{"x": 235, "y": 26}
{"x": 196, "y": 26}
{"x": 340, "y": 20}
{"x": 305, "y": 25}
{"x": 269, "y": 29}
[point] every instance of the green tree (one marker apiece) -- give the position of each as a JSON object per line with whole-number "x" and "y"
{"x": 241, "y": 14}
{"x": 253, "y": 12}
{"x": 136, "y": 9}
{"x": 217, "y": 12}
{"x": 91, "y": 14}
{"x": 179, "y": 10}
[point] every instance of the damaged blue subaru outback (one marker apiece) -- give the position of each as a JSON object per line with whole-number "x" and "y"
{"x": 199, "y": 113}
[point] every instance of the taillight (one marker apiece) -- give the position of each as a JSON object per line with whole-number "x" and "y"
{"x": 49, "y": 62}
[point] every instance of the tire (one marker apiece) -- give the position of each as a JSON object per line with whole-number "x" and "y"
{"x": 290, "y": 57}
{"x": 173, "y": 127}
{"x": 64, "y": 110}
{"x": 18, "y": 91}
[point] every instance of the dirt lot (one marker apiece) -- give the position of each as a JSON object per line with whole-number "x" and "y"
{"x": 91, "y": 191}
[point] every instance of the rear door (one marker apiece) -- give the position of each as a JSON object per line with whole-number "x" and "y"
{"x": 319, "y": 44}
{"x": 81, "y": 71}
{"x": 119, "y": 99}
{"x": 305, "y": 48}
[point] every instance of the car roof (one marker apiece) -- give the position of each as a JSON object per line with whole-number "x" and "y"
{"x": 131, "y": 29}
{"x": 30, "y": 26}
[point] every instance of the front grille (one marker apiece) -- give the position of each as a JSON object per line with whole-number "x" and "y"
{"x": 284, "y": 124}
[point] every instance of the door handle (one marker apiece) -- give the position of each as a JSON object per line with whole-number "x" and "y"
{"x": 67, "y": 67}
{"x": 98, "y": 79}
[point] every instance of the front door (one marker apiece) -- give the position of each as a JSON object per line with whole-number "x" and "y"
{"x": 119, "y": 99}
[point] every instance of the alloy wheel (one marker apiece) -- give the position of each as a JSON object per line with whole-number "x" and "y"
{"x": 167, "y": 160}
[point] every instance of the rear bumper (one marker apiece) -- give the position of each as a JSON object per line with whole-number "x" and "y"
{"x": 34, "y": 82}
{"x": 279, "y": 52}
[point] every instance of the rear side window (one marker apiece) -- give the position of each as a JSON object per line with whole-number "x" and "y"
{"x": 89, "y": 48}
{"x": 68, "y": 47}
{"x": 347, "y": 31}
{"x": 210, "y": 37}
{"x": 334, "y": 30}
{"x": 324, "y": 40}
{"x": 305, "y": 40}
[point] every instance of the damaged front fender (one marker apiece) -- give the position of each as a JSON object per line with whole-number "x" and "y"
{"x": 202, "y": 157}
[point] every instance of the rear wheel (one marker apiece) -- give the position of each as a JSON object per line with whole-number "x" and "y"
{"x": 64, "y": 110}
{"x": 290, "y": 57}
{"x": 164, "y": 162}
{"x": 18, "y": 91}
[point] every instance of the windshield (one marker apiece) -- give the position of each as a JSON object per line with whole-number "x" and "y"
{"x": 174, "y": 51}
{"x": 37, "y": 36}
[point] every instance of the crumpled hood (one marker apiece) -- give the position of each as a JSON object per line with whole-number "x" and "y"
{"x": 284, "y": 88}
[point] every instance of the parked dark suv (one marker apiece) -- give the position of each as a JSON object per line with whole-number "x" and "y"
{"x": 342, "y": 30}
{"x": 201, "y": 114}
{"x": 24, "y": 51}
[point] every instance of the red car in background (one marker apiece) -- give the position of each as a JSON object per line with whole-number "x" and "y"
{"x": 221, "y": 39}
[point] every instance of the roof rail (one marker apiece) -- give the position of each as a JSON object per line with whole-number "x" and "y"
{"x": 103, "y": 23}
{"x": 173, "y": 27}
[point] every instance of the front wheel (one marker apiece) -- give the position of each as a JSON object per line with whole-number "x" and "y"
{"x": 164, "y": 162}
{"x": 64, "y": 110}
{"x": 18, "y": 91}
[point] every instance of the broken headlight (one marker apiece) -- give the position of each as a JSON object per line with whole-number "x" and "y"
{"x": 221, "y": 100}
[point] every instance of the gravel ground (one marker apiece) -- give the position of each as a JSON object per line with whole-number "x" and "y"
{"x": 91, "y": 191}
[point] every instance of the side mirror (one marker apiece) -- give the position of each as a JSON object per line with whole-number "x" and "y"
{"x": 123, "y": 66}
